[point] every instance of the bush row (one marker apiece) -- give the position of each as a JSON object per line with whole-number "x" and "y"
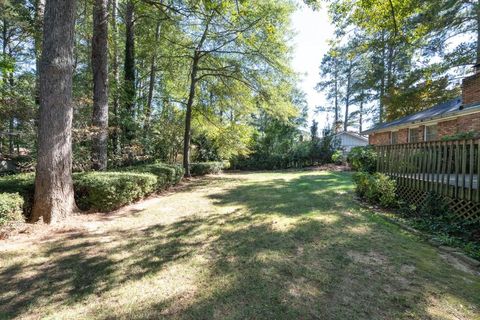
{"x": 203, "y": 168}
{"x": 11, "y": 207}
{"x": 102, "y": 191}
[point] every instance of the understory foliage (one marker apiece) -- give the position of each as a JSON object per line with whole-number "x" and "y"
{"x": 435, "y": 217}
{"x": 203, "y": 168}
{"x": 363, "y": 159}
{"x": 11, "y": 208}
{"x": 241, "y": 52}
{"x": 376, "y": 188}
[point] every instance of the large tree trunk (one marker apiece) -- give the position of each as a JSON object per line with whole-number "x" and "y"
{"x": 129, "y": 86}
{"x": 100, "y": 85}
{"x": 54, "y": 198}
{"x": 39, "y": 12}
{"x": 188, "y": 116}
{"x": 151, "y": 86}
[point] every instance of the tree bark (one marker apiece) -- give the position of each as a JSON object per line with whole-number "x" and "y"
{"x": 478, "y": 36}
{"x": 54, "y": 199}
{"x": 116, "y": 80}
{"x": 347, "y": 97}
{"x": 129, "y": 68}
{"x": 151, "y": 86}
{"x": 100, "y": 85}
{"x": 39, "y": 12}
{"x": 188, "y": 116}
{"x": 191, "y": 97}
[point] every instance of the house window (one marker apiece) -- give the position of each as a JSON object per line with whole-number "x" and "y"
{"x": 413, "y": 135}
{"x": 431, "y": 133}
{"x": 394, "y": 137}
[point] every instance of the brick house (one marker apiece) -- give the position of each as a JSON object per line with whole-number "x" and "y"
{"x": 459, "y": 115}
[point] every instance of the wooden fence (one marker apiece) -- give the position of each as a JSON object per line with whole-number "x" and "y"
{"x": 448, "y": 168}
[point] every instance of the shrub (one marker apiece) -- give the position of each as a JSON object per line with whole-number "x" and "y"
{"x": 376, "y": 188}
{"x": 363, "y": 159}
{"x": 167, "y": 175}
{"x": 11, "y": 208}
{"x": 24, "y": 185}
{"x": 337, "y": 157}
{"x": 106, "y": 191}
{"x": 203, "y": 168}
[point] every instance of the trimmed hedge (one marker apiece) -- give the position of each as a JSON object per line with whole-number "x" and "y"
{"x": 106, "y": 191}
{"x": 11, "y": 208}
{"x": 22, "y": 184}
{"x": 103, "y": 191}
{"x": 167, "y": 175}
{"x": 203, "y": 168}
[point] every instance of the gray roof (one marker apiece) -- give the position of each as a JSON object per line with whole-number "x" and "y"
{"x": 440, "y": 110}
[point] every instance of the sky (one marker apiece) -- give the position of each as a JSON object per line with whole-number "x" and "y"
{"x": 313, "y": 30}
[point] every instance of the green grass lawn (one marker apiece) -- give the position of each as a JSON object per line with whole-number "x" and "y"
{"x": 283, "y": 245}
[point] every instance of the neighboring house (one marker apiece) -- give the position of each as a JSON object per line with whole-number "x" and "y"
{"x": 348, "y": 140}
{"x": 446, "y": 119}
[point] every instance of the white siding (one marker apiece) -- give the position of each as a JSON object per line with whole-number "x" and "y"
{"x": 347, "y": 141}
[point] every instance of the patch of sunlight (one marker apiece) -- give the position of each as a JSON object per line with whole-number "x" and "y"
{"x": 150, "y": 292}
{"x": 269, "y": 256}
{"x": 283, "y": 224}
{"x": 300, "y": 290}
{"x": 447, "y": 307}
{"x": 359, "y": 229}
{"x": 327, "y": 218}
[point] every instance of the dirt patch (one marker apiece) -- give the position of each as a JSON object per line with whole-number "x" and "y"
{"x": 458, "y": 264}
{"x": 371, "y": 258}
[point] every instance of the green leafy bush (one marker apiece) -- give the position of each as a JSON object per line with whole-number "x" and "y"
{"x": 167, "y": 175}
{"x": 24, "y": 185}
{"x": 11, "y": 208}
{"x": 363, "y": 159}
{"x": 203, "y": 168}
{"x": 337, "y": 157}
{"x": 376, "y": 188}
{"x": 106, "y": 191}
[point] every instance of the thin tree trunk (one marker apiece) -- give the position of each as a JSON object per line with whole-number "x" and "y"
{"x": 129, "y": 86}
{"x": 188, "y": 116}
{"x": 347, "y": 98}
{"x": 54, "y": 199}
{"x": 382, "y": 82}
{"x": 11, "y": 142}
{"x": 336, "y": 97}
{"x": 39, "y": 12}
{"x": 100, "y": 85}
{"x": 191, "y": 97}
{"x": 361, "y": 114}
{"x": 151, "y": 85}
{"x": 116, "y": 80}
{"x": 478, "y": 36}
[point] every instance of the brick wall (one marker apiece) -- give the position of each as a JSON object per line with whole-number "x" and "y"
{"x": 447, "y": 128}
{"x": 378, "y": 139}
{"x": 469, "y": 123}
{"x": 403, "y": 136}
{"x": 471, "y": 89}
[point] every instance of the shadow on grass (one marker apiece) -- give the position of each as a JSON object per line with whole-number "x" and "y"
{"x": 327, "y": 263}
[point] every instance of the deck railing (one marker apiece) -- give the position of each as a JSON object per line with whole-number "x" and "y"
{"x": 450, "y": 168}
